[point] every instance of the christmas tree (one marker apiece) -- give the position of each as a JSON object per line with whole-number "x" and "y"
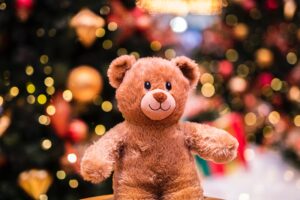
{"x": 55, "y": 98}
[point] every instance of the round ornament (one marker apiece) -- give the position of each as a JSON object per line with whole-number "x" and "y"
{"x": 85, "y": 83}
{"x": 78, "y": 130}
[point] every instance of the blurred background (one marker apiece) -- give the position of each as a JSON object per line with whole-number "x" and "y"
{"x": 55, "y": 98}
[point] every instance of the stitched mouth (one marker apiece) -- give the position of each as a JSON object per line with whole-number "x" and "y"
{"x": 160, "y": 108}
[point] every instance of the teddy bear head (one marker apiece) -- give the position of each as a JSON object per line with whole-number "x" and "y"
{"x": 152, "y": 90}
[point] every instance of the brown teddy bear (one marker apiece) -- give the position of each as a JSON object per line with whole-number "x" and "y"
{"x": 151, "y": 151}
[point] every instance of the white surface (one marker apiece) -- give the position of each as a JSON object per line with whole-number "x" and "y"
{"x": 269, "y": 177}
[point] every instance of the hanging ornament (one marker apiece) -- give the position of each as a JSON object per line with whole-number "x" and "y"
{"x": 85, "y": 24}
{"x": 60, "y": 120}
{"x": 35, "y": 182}
{"x": 78, "y": 130}
{"x": 24, "y": 9}
{"x": 182, "y": 7}
{"x": 4, "y": 123}
{"x": 264, "y": 57}
{"x": 85, "y": 83}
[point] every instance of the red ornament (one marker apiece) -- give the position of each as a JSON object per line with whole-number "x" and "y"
{"x": 264, "y": 80}
{"x": 78, "y": 130}
{"x": 272, "y": 4}
{"x": 61, "y": 119}
{"x": 24, "y": 9}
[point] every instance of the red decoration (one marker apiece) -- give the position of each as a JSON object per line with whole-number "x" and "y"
{"x": 61, "y": 119}
{"x": 271, "y": 4}
{"x": 78, "y": 130}
{"x": 24, "y": 9}
{"x": 264, "y": 79}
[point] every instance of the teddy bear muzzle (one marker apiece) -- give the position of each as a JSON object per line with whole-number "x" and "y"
{"x": 158, "y": 104}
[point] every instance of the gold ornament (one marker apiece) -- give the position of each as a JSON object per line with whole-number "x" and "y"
{"x": 264, "y": 57}
{"x": 182, "y": 7}
{"x": 35, "y": 182}
{"x": 85, "y": 83}
{"x": 86, "y": 24}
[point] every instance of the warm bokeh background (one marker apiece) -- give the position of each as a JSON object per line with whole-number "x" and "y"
{"x": 55, "y": 98}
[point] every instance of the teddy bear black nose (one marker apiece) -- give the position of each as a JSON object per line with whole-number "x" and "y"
{"x": 160, "y": 97}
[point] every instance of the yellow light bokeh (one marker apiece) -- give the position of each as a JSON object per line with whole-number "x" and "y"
{"x": 208, "y": 90}
{"x": 72, "y": 158}
{"x": 207, "y": 78}
{"x": 100, "y": 129}
{"x": 50, "y": 90}
{"x": 276, "y": 84}
{"x": 44, "y": 120}
{"x": 107, "y": 44}
{"x": 67, "y": 95}
{"x": 14, "y": 91}
{"x": 46, "y": 144}
{"x": 50, "y": 110}
{"x": 155, "y": 46}
{"x": 48, "y": 70}
{"x": 294, "y": 94}
{"x": 61, "y": 175}
{"x": 112, "y": 26}
{"x": 43, "y": 197}
{"x": 73, "y": 183}
{"x": 274, "y": 117}
{"x": 42, "y": 99}
{"x": 106, "y": 106}
{"x": 3, "y": 6}
{"x": 31, "y": 99}
{"x": 250, "y": 119}
{"x": 170, "y": 53}
{"x": 29, "y": 70}
{"x": 30, "y": 88}
{"x": 231, "y": 20}
{"x": 297, "y": 120}
{"x": 135, "y": 54}
{"x": 232, "y": 55}
{"x": 100, "y": 32}
{"x": 44, "y": 59}
{"x": 49, "y": 81}
{"x": 1, "y": 100}
{"x": 122, "y": 51}
{"x": 291, "y": 58}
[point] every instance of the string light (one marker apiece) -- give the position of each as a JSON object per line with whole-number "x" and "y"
{"x": 104, "y": 10}
{"x": 47, "y": 70}
{"x": 208, "y": 90}
{"x": 50, "y": 110}
{"x": 106, "y": 106}
{"x": 178, "y": 24}
{"x": 29, "y": 70}
{"x": 274, "y": 117}
{"x": 72, "y": 158}
{"x": 67, "y": 95}
{"x": 44, "y": 59}
{"x": 135, "y": 54}
{"x": 30, "y": 88}
{"x": 43, "y": 197}
{"x": 50, "y": 90}
{"x": 250, "y": 119}
{"x": 61, "y": 175}
{"x": 276, "y": 84}
{"x": 297, "y": 120}
{"x": 46, "y": 144}
{"x": 1, "y": 100}
{"x": 232, "y": 55}
{"x": 100, "y": 32}
{"x": 42, "y": 99}
{"x": 31, "y": 99}
{"x": 100, "y": 129}
{"x": 73, "y": 183}
{"x": 112, "y": 26}
{"x": 44, "y": 120}
{"x": 155, "y": 46}
{"x": 122, "y": 51}
{"x": 3, "y": 6}
{"x": 170, "y": 53}
{"x": 107, "y": 44}
{"x": 207, "y": 78}
{"x": 49, "y": 81}
{"x": 291, "y": 58}
{"x": 14, "y": 91}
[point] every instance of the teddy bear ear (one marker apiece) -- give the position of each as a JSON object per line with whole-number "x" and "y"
{"x": 189, "y": 68}
{"x": 118, "y": 69}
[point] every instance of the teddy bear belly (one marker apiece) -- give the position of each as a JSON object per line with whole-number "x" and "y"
{"x": 156, "y": 169}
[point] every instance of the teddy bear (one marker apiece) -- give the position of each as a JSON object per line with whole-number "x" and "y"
{"x": 151, "y": 151}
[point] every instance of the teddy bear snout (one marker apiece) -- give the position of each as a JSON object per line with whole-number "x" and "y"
{"x": 160, "y": 97}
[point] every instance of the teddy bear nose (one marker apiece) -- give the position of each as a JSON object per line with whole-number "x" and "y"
{"x": 160, "y": 97}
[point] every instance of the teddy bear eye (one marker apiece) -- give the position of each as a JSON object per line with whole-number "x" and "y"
{"x": 147, "y": 85}
{"x": 168, "y": 85}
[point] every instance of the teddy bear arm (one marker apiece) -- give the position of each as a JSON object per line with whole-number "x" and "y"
{"x": 210, "y": 143}
{"x": 98, "y": 160}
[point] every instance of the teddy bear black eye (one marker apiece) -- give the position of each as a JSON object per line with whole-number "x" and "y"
{"x": 168, "y": 85}
{"x": 147, "y": 85}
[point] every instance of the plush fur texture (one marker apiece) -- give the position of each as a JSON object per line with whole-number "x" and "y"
{"x": 152, "y": 158}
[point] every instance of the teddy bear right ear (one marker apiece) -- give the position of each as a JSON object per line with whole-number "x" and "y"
{"x": 118, "y": 69}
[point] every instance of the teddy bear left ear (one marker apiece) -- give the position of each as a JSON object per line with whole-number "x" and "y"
{"x": 118, "y": 68}
{"x": 189, "y": 68}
